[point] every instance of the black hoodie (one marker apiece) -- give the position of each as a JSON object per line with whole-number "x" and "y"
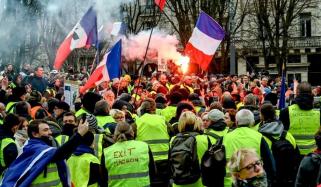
{"x": 304, "y": 101}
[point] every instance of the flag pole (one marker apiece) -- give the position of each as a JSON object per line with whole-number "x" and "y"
{"x": 144, "y": 59}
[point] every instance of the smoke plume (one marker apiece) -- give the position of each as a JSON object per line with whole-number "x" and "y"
{"x": 162, "y": 45}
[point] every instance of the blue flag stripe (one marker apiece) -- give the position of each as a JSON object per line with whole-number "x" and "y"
{"x": 113, "y": 62}
{"x": 209, "y": 26}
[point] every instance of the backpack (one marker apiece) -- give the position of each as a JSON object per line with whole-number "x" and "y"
{"x": 287, "y": 160}
{"x": 214, "y": 162}
{"x": 318, "y": 179}
{"x": 183, "y": 159}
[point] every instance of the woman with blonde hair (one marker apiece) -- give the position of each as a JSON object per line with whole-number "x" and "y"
{"x": 247, "y": 169}
{"x": 190, "y": 139}
{"x": 118, "y": 115}
{"x": 127, "y": 162}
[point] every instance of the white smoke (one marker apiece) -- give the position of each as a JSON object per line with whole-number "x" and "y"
{"x": 162, "y": 45}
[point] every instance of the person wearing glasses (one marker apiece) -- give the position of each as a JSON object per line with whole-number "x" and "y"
{"x": 243, "y": 136}
{"x": 247, "y": 170}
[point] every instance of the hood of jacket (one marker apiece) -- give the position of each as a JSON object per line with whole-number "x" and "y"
{"x": 305, "y": 101}
{"x": 274, "y": 128}
{"x": 218, "y": 125}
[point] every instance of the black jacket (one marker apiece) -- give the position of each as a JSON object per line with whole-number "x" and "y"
{"x": 38, "y": 83}
{"x": 308, "y": 171}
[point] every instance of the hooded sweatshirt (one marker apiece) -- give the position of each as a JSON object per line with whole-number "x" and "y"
{"x": 275, "y": 129}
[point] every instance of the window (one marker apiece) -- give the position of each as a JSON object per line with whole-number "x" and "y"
{"x": 294, "y": 59}
{"x": 292, "y": 76}
{"x": 305, "y": 24}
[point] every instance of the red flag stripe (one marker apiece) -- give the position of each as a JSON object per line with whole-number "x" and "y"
{"x": 63, "y": 52}
{"x": 198, "y": 57}
{"x": 160, "y": 4}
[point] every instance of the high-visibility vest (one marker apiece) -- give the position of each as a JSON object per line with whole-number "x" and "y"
{"x": 127, "y": 164}
{"x": 277, "y": 113}
{"x": 152, "y": 129}
{"x": 61, "y": 139}
{"x": 241, "y": 137}
{"x": 98, "y": 145}
{"x": 255, "y": 127}
{"x": 10, "y": 107}
{"x": 158, "y": 111}
{"x": 4, "y": 143}
{"x": 303, "y": 125}
{"x": 50, "y": 179}
{"x": 202, "y": 146}
{"x": 102, "y": 120}
{"x": 214, "y": 135}
{"x": 79, "y": 167}
{"x": 169, "y": 112}
{"x": 80, "y": 112}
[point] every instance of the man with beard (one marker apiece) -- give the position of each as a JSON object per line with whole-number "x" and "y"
{"x": 164, "y": 81}
{"x": 69, "y": 124}
{"x": 40, "y": 164}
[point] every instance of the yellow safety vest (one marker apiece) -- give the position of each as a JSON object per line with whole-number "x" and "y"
{"x": 169, "y": 112}
{"x": 241, "y": 137}
{"x": 9, "y": 107}
{"x": 61, "y": 139}
{"x": 127, "y": 164}
{"x": 256, "y": 126}
{"x": 212, "y": 137}
{"x": 277, "y": 113}
{"x": 102, "y": 120}
{"x": 80, "y": 112}
{"x": 4, "y": 143}
{"x": 98, "y": 145}
{"x": 79, "y": 167}
{"x": 50, "y": 179}
{"x": 202, "y": 145}
{"x": 152, "y": 129}
{"x": 303, "y": 125}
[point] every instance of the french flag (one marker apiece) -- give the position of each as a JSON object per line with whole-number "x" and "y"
{"x": 160, "y": 4}
{"x": 119, "y": 28}
{"x": 109, "y": 68}
{"x": 205, "y": 39}
{"x": 84, "y": 34}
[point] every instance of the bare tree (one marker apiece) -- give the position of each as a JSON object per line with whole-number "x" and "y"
{"x": 185, "y": 14}
{"x": 139, "y": 16}
{"x": 274, "y": 19}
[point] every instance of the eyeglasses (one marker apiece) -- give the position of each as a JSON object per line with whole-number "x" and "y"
{"x": 252, "y": 166}
{"x": 120, "y": 117}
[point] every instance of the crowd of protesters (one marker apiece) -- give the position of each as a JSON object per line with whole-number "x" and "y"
{"x": 124, "y": 131}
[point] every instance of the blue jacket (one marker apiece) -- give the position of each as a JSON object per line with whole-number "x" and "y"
{"x": 35, "y": 157}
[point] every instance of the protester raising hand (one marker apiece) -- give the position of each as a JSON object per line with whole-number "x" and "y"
{"x": 83, "y": 127}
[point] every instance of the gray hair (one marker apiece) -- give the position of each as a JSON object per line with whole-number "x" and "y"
{"x": 244, "y": 117}
{"x": 250, "y": 99}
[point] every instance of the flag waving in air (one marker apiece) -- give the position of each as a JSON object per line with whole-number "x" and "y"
{"x": 84, "y": 34}
{"x": 205, "y": 39}
{"x": 160, "y": 4}
{"x": 109, "y": 68}
{"x": 283, "y": 89}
